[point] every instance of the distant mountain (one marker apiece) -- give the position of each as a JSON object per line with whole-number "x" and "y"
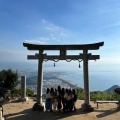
{"x": 111, "y": 89}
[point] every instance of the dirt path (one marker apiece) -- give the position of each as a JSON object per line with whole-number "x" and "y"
{"x": 15, "y": 110}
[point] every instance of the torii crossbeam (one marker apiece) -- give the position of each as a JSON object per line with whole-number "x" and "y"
{"x": 85, "y": 56}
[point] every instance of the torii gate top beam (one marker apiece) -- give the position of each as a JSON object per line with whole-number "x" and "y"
{"x": 94, "y": 46}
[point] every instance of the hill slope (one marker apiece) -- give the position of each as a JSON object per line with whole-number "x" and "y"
{"x": 111, "y": 89}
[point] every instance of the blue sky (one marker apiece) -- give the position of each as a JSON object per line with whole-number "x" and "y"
{"x": 59, "y": 22}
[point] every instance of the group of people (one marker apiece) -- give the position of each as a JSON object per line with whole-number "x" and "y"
{"x": 60, "y": 99}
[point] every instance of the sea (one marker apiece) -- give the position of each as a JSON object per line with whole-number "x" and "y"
{"x": 101, "y": 76}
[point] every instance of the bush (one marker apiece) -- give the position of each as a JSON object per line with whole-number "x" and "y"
{"x": 98, "y": 95}
{"x": 80, "y": 94}
{"x": 8, "y": 79}
{"x": 17, "y": 92}
{"x": 29, "y": 92}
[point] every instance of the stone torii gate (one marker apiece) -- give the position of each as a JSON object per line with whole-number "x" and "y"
{"x": 63, "y": 56}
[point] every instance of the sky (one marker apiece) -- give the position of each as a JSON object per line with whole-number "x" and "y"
{"x": 59, "y": 22}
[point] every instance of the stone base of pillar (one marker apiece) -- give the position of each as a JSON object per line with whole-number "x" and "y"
{"x": 38, "y": 107}
{"x": 23, "y": 99}
{"x": 87, "y": 108}
{"x": 1, "y": 114}
{"x": 2, "y": 118}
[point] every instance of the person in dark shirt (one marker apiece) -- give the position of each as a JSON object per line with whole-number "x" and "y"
{"x": 74, "y": 99}
{"x": 59, "y": 106}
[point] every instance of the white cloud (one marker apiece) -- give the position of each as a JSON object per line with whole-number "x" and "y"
{"x": 44, "y": 21}
{"x": 41, "y": 40}
{"x": 48, "y": 33}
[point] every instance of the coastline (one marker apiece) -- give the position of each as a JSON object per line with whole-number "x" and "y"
{"x": 67, "y": 82}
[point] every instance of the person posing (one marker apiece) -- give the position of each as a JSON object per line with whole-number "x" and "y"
{"x": 70, "y": 100}
{"x": 52, "y": 99}
{"x": 66, "y": 99}
{"x": 59, "y": 106}
{"x": 48, "y": 100}
{"x": 55, "y": 100}
{"x": 63, "y": 99}
{"x": 74, "y": 96}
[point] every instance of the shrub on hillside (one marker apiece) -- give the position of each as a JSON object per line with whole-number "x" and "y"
{"x": 17, "y": 92}
{"x": 98, "y": 95}
{"x": 8, "y": 79}
{"x": 29, "y": 92}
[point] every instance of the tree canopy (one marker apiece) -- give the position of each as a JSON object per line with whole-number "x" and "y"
{"x": 8, "y": 79}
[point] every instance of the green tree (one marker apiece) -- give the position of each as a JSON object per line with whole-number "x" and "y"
{"x": 29, "y": 92}
{"x": 80, "y": 94}
{"x": 8, "y": 79}
{"x": 16, "y": 92}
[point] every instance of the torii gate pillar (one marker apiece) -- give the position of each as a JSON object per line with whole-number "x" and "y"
{"x": 39, "y": 105}
{"x": 86, "y": 105}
